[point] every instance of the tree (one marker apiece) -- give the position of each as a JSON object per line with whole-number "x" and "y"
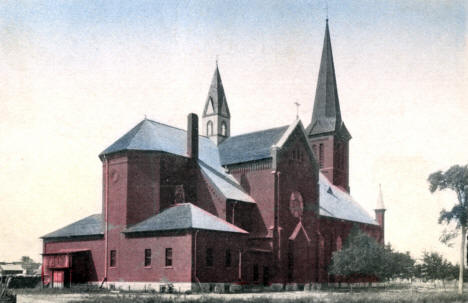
{"x": 26, "y": 259}
{"x": 362, "y": 256}
{"x": 435, "y": 267}
{"x": 403, "y": 265}
{"x": 359, "y": 256}
{"x": 456, "y": 179}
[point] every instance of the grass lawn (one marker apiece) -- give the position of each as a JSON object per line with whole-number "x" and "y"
{"x": 421, "y": 293}
{"x": 364, "y": 297}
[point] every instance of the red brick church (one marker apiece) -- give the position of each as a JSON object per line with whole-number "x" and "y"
{"x": 197, "y": 210}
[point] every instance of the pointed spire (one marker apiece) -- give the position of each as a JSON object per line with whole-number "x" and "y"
{"x": 216, "y": 103}
{"x": 326, "y": 116}
{"x": 380, "y": 204}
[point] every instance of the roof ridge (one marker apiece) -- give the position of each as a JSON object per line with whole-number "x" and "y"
{"x": 190, "y": 212}
{"x": 258, "y": 131}
{"x": 135, "y": 133}
{"x": 221, "y": 175}
{"x": 171, "y": 126}
{"x": 218, "y": 218}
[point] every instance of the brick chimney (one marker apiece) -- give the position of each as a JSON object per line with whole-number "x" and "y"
{"x": 192, "y": 136}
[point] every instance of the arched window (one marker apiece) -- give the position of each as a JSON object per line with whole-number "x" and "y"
{"x": 343, "y": 154}
{"x": 339, "y": 243}
{"x": 321, "y": 155}
{"x": 209, "y": 128}
{"x": 223, "y": 129}
{"x": 338, "y": 155}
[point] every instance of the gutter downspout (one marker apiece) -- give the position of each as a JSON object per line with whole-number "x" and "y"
{"x": 234, "y": 212}
{"x": 240, "y": 266}
{"x": 195, "y": 261}
{"x": 276, "y": 236}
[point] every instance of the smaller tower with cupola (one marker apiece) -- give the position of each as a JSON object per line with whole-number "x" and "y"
{"x": 380, "y": 214}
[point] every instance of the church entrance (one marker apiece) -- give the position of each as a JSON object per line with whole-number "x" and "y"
{"x": 298, "y": 256}
{"x": 266, "y": 275}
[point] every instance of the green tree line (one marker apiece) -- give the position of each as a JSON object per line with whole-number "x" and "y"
{"x": 362, "y": 256}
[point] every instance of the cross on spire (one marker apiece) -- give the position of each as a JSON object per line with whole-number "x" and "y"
{"x": 297, "y": 109}
{"x": 326, "y": 115}
{"x": 326, "y": 4}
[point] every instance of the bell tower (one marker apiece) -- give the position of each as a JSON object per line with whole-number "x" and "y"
{"x": 327, "y": 132}
{"x": 216, "y": 119}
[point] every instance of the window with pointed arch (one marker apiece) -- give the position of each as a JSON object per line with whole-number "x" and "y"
{"x": 339, "y": 243}
{"x": 209, "y": 128}
{"x": 343, "y": 154}
{"x": 338, "y": 153}
{"x": 321, "y": 155}
{"x": 223, "y": 129}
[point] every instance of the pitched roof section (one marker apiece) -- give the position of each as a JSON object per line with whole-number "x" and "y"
{"x": 326, "y": 116}
{"x": 184, "y": 216}
{"x": 225, "y": 183}
{"x": 216, "y": 103}
{"x": 250, "y": 146}
{"x": 89, "y": 226}
{"x": 336, "y": 203}
{"x": 149, "y": 135}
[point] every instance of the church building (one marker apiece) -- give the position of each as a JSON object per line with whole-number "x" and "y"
{"x": 198, "y": 207}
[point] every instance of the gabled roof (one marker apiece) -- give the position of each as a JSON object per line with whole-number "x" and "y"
{"x": 338, "y": 204}
{"x": 326, "y": 116}
{"x": 184, "y": 216}
{"x": 251, "y": 146}
{"x": 216, "y": 102}
{"x": 225, "y": 183}
{"x": 89, "y": 226}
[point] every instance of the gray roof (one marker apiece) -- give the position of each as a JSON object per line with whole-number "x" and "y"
{"x": 251, "y": 146}
{"x": 184, "y": 216}
{"x": 326, "y": 116}
{"x": 216, "y": 102}
{"x": 89, "y": 226}
{"x": 226, "y": 184}
{"x": 149, "y": 135}
{"x": 336, "y": 203}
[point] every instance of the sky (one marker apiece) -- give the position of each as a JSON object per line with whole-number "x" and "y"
{"x": 77, "y": 75}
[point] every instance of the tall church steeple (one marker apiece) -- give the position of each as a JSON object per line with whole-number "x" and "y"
{"x": 327, "y": 131}
{"x": 216, "y": 117}
{"x": 326, "y": 116}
